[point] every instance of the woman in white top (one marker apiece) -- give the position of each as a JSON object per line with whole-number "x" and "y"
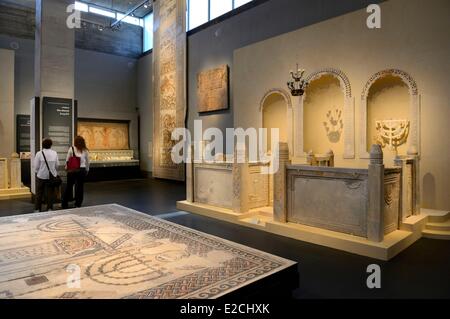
{"x": 76, "y": 177}
{"x": 43, "y": 174}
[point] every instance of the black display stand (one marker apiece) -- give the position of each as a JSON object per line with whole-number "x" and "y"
{"x": 54, "y": 118}
{"x": 23, "y": 145}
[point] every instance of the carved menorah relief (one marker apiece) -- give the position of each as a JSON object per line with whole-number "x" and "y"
{"x": 392, "y": 133}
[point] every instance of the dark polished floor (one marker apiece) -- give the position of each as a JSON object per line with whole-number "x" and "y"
{"x": 421, "y": 271}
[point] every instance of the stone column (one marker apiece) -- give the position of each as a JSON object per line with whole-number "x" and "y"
{"x": 414, "y": 155}
{"x": 3, "y": 173}
{"x": 6, "y": 103}
{"x": 190, "y": 175}
{"x": 279, "y": 185}
{"x": 375, "y": 217}
{"x": 240, "y": 173}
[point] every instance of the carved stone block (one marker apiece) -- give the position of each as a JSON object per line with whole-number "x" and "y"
{"x": 15, "y": 175}
{"x": 3, "y": 173}
{"x": 212, "y": 89}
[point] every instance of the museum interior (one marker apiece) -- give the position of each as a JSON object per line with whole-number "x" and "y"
{"x": 296, "y": 149}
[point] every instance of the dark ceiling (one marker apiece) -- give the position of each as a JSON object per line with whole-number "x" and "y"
{"x": 116, "y": 5}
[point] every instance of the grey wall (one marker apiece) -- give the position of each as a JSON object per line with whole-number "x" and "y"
{"x": 105, "y": 87}
{"x": 105, "y": 84}
{"x": 145, "y": 105}
{"x": 215, "y": 45}
{"x": 18, "y": 21}
{"x": 23, "y": 71}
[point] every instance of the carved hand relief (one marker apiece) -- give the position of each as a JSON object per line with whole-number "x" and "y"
{"x": 212, "y": 89}
{"x": 334, "y": 125}
{"x": 392, "y": 133}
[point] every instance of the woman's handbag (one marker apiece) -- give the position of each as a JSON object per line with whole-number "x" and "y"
{"x": 74, "y": 162}
{"x": 54, "y": 181}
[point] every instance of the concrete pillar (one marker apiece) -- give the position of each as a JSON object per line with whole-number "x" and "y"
{"x": 54, "y": 50}
{"x": 279, "y": 185}
{"x": 6, "y": 103}
{"x": 375, "y": 216}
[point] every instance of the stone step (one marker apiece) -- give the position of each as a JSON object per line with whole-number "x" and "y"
{"x": 443, "y": 226}
{"x": 436, "y": 234}
{"x": 436, "y": 216}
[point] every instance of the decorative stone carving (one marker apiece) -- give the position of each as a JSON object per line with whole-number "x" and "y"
{"x": 169, "y": 67}
{"x": 338, "y": 74}
{"x": 392, "y": 133}
{"x": 414, "y": 125}
{"x": 258, "y": 188}
{"x": 190, "y": 175}
{"x": 391, "y": 202}
{"x": 348, "y": 114}
{"x": 375, "y": 216}
{"x": 212, "y": 89}
{"x": 15, "y": 174}
{"x": 279, "y": 185}
{"x": 326, "y": 159}
{"x": 3, "y": 173}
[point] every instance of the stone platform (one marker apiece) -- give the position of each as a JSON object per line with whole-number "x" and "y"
{"x": 410, "y": 230}
{"x": 13, "y": 193}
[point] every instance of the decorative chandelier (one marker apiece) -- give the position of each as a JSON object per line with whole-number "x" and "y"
{"x": 297, "y": 85}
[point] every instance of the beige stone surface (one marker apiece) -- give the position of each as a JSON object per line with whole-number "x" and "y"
{"x": 7, "y": 132}
{"x": 111, "y": 251}
{"x": 213, "y": 184}
{"x": 3, "y": 173}
{"x": 15, "y": 174}
{"x": 347, "y": 44}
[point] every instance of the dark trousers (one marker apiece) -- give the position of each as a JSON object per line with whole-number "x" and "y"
{"x": 76, "y": 179}
{"x": 42, "y": 188}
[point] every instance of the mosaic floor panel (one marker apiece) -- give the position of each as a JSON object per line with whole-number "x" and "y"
{"x": 111, "y": 251}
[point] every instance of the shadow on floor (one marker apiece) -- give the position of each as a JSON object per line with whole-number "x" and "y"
{"x": 421, "y": 271}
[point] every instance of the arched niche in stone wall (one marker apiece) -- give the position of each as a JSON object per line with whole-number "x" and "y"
{"x": 344, "y": 135}
{"x": 276, "y": 112}
{"x": 390, "y": 95}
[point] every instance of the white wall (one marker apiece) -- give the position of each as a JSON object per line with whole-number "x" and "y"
{"x": 413, "y": 38}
